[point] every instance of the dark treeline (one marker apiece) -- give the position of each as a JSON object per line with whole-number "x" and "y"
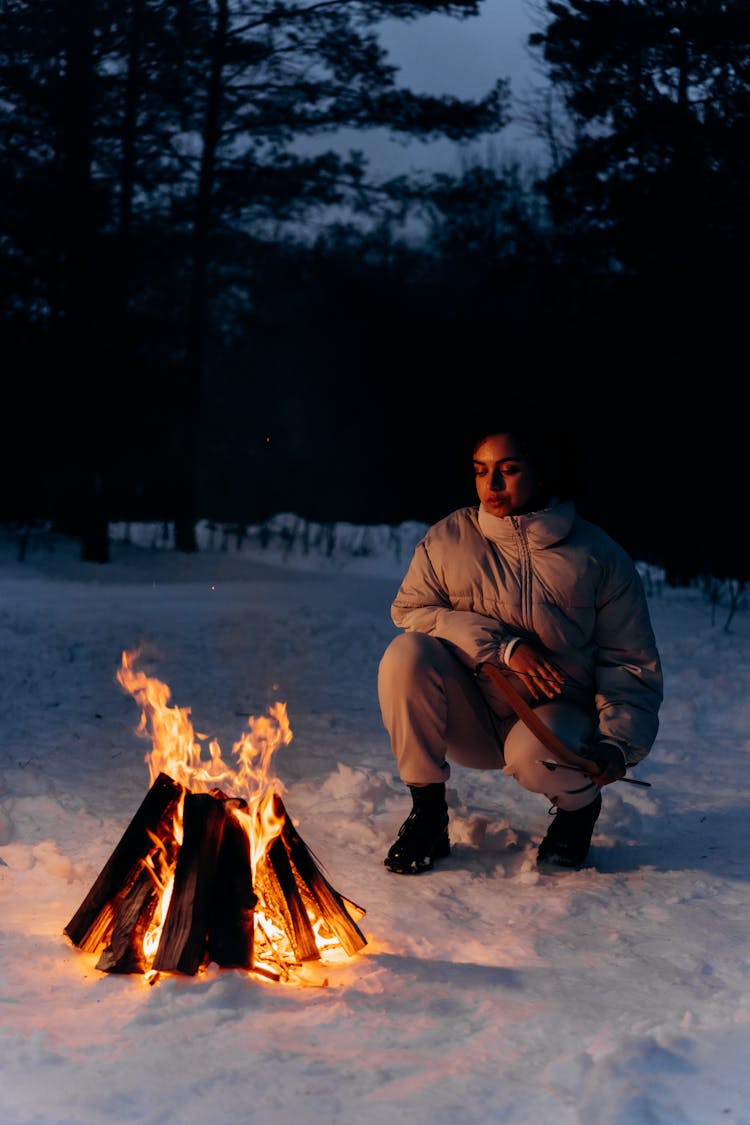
{"x": 208, "y": 312}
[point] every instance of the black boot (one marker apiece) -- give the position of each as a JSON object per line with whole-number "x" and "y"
{"x": 569, "y": 835}
{"x": 423, "y": 837}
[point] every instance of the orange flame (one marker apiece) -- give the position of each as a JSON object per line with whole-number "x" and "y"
{"x": 176, "y": 750}
{"x": 162, "y": 873}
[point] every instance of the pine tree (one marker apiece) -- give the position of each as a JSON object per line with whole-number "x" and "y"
{"x": 158, "y": 138}
{"x": 657, "y": 92}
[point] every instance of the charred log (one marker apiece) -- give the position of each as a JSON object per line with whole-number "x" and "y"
{"x": 330, "y": 905}
{"x": 182, "y": 947}
{"x": 150, "y": 829}
{"x": 124, "y": 952}
{"x": 282, "y": 900}
{"x": 232, "y": 915}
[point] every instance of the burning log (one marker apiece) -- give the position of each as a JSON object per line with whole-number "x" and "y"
{"x": 329, "y": 904}
{"x": 283, "y": 897}
{"x": 183, "y": 942}
{"x": 232, "y": 922}
{"x": 131, "y": 922}
{"x": 151, "y": 827}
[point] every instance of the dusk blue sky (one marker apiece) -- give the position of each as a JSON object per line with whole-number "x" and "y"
{"x": 442, "y": 55}
{"x": 462, "y": 57}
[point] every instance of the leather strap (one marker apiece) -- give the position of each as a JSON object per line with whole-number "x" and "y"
{"x": 529, "y": 716}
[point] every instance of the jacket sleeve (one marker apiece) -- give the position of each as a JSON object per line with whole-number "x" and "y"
{"x": 629, "y": 680}
{"x": 422, "y": 605}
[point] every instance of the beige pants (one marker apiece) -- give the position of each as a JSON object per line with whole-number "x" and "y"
{"x": 435, "y": 713}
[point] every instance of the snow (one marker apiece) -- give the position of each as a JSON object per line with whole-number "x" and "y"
{"x": 487, "y": 991}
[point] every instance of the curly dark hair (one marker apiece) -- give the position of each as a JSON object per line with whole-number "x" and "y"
{"x": 544, "y": 441}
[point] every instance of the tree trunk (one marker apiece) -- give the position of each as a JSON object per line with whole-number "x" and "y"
{"x": 192, "y": 394}
{"x": 87, "y": 420}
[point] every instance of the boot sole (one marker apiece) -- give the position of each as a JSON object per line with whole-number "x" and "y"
{"x": 561, "y": 853}
{"x": 418, "y": 866}
{"x": 551, "y": 865}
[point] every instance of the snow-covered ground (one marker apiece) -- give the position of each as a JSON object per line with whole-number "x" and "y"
{"x": 487, "y": 992}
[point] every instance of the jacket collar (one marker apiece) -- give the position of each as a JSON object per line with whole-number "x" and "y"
{"x": 541, "y": 529}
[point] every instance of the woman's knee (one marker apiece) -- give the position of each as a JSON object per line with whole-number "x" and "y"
{"x": 525, "y": 754}
{"x": 407, "y": 656}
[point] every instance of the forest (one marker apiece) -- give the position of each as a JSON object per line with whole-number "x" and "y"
{"x": 207, "y": 313}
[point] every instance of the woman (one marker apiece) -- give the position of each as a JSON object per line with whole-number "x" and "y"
{"x": 523, "y": 583}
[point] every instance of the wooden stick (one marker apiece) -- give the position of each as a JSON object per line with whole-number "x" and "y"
{"x": 527, "y": 714}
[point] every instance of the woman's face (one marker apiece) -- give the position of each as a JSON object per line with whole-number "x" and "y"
{"x": 505, "y": 481}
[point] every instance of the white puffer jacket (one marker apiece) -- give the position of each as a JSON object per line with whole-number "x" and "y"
{"x": 477, "y": 580}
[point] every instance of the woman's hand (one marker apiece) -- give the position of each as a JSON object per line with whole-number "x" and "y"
{"x": 610, "y": 760}
{"x": 542, "y": 677}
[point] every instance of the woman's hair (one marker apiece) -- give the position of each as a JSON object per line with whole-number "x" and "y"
{"x": 543, "y": 442}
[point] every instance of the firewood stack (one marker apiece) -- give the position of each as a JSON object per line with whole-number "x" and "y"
{"x": 267, "y": 922}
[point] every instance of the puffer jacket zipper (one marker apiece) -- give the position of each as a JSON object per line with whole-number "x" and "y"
{"x": 526, "y": 573}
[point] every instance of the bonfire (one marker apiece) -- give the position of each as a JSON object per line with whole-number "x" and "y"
{"x": 211, "y": 867}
